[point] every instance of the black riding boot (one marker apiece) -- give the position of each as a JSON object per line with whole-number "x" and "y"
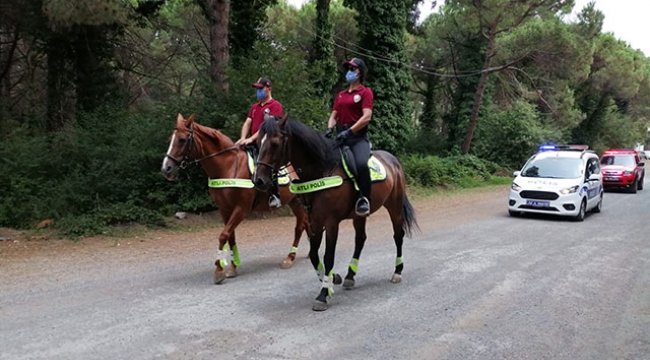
{"x": 274, "y": 198}
{"x": 362, "y": 207}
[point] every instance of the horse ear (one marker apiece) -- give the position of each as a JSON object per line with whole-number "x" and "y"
{"x": 179, "y": 117}
{"x": 190, "y": 120}
{"x": 283, "y": 120}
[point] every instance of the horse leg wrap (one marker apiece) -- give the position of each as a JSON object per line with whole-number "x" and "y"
{"x": 354, "y": 265}
{"x": 222, "y": 257}
{"x": 320, "y": 271}
{"x": 294, "y": 249}
{"x": 328, "y": 283}
{"x": 235, "y": 256}
{"x": 399, "y": 261}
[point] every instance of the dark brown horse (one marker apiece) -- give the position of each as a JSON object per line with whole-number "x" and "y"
{"x": 318, "y": 161}
{"x": 227, "y": 166}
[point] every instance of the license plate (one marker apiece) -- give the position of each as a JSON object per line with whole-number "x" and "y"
{"x": 610, "y": 178}
{"x": 537, "y": 203}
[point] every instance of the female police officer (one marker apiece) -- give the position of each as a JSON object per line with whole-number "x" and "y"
{"x": 351, "y": 115}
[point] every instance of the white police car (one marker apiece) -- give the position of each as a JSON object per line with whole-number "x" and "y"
{"x": 560, "y": 180}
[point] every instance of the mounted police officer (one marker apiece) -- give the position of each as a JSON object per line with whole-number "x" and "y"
{"x": 351, "y": 115}
{"x": 267, "y": 105}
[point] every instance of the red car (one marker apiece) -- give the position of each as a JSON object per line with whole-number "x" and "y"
{"x": 622, "y": 168}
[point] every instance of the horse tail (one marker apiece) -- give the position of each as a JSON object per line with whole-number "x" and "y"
{"x": 408, "y": 215}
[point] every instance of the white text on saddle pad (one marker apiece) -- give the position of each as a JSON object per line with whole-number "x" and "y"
{"x": 226, "y": 183}
{"x": 316, "y": 185}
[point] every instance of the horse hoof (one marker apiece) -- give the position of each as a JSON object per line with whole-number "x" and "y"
{"x": 231, "y": 273}
{"x": 348, "y": 284}
{"x": 286, "y": 264}
{"x": 219, "y": 276}
{"x": 319, "y": 305}
{"x": 397, "y": 278}
{"x": 337, "y": 279}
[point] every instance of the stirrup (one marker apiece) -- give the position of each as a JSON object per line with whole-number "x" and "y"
{"x": 362, "y": 207}
{"x": 274, "y": 202}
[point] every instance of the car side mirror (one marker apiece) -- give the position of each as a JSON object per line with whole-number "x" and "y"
{"x": 642, "y": 164}
{"x": 594, "y": 177}
{"x": 516, "y": 173}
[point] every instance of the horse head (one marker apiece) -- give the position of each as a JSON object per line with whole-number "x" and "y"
{"x": 290, "y": 141}
{"x": 273, "y": 152}
{"x": 181, "y": 147}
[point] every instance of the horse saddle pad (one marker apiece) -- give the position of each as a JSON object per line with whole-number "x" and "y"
{"x": 377, "y": 169}
{"x": 283, "y": 178}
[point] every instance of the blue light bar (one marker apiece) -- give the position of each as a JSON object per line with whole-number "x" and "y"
{"x": 549, "y": 147}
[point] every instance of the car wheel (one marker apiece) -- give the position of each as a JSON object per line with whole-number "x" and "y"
{"x": 514, "y": 213}
{"x": 634, "y": 187}
{"x": 582, "y": 211}
{"x": 599, "y": 206}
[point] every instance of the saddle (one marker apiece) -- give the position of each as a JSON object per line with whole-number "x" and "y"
{"x": 377, "y": 169}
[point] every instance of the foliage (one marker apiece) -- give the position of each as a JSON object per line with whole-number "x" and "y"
{"x": 90, "y": 92}
{"x": 454, "y": 171}
{"x": 509, "y": 136}
{"x": 383, "y": 38}
{"x": 104, "y": 173}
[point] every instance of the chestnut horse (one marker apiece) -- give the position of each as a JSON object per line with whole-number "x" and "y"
{"x": 318, "y": 161}
{"x": 226, "y": 163}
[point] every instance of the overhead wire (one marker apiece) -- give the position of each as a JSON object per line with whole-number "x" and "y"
{"x": 367, "y": 53}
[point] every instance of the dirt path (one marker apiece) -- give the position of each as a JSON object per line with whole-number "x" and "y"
{"x": 29, "y": 256}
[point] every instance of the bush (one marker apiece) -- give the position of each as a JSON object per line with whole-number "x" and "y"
{"x": 459, "y": 171}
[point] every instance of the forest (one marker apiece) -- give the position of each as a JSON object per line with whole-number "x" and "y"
{"x": 90, "y": 90}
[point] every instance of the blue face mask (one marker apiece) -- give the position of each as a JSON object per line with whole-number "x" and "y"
{"x": 351, "y": 76}
{"x": 260, "y": 94}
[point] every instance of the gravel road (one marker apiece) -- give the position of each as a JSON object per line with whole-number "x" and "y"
{"x": 477, "y": 284}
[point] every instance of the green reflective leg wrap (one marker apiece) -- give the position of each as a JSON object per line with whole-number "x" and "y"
{"x": 328, "y": 283}
{"x": 224, "y": 262}
{"x": 235, "y": 256}
{"x": 320, "y": 271}
{"x": 399, "y": 261}
{"x": 354, "y": 265}
{"x": 294, "y": 249}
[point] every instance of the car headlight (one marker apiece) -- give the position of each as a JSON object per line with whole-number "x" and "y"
{"x": 628, "y": 173}
{"x": 515, "y": 187}
{"x": 569, "y": 190}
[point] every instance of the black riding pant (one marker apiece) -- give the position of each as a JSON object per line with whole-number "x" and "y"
{"x": 360, "y": 147}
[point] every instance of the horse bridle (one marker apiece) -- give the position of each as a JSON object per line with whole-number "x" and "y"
{"x": 182, "y": 163}
{"x": 275, "y": 172}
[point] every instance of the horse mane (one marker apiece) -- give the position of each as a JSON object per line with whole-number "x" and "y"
{"x": 317, "y": 147}
{"x": 213, "y": 134}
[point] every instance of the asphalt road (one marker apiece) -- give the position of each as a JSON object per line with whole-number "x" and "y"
{"x": 477, "y": 284}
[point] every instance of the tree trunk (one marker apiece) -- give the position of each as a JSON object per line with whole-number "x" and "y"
{"x": 480, "y": 91}
{"x": 218, "y": 15}
{"x": 58, "y": 82}
{"x": 321, "y": 58}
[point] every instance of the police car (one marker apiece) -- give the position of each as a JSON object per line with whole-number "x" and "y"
{"x": 559, "y": 179}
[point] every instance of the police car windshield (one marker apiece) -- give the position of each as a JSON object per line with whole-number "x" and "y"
{"x": 622, "y": 160}
{"x": 555, "y": 167}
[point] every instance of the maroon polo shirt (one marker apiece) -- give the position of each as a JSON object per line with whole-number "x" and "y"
{"x": 257, "y": 111}
{"x": 349, "y": 105}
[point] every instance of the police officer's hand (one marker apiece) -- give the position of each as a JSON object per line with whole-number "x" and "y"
{"x": 328, "y": 133}
{"x": 344, "y": 135}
